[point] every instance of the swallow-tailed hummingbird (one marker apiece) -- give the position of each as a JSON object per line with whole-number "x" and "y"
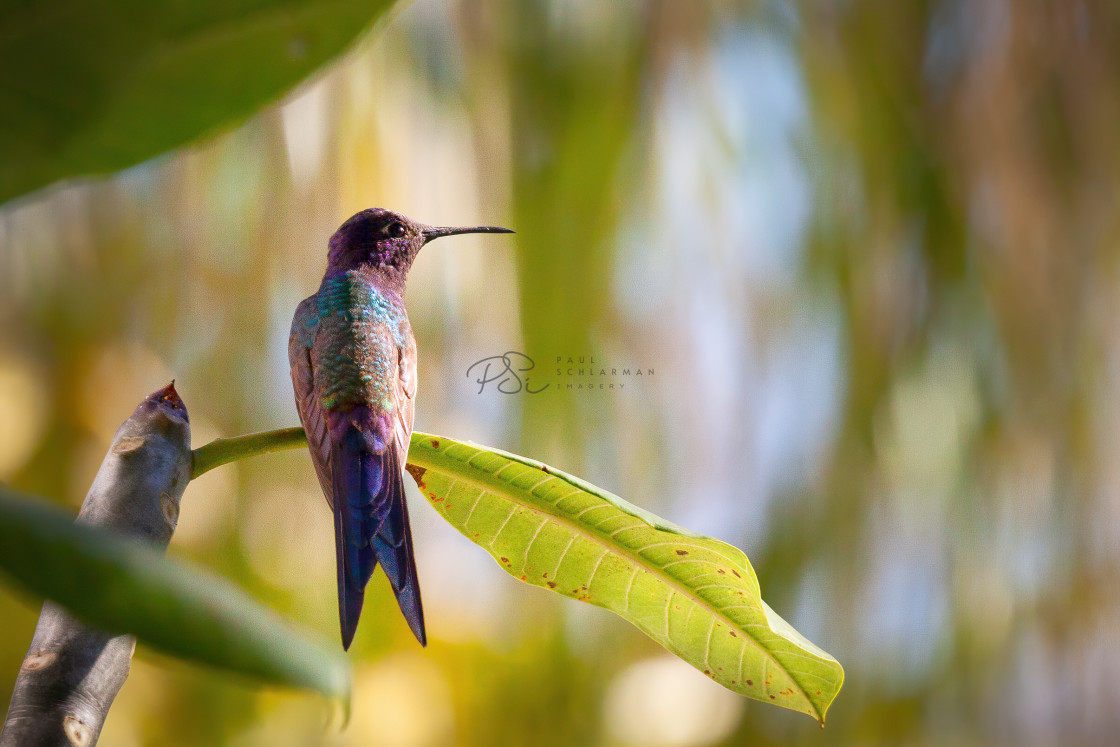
{"x": 353, "y": 361}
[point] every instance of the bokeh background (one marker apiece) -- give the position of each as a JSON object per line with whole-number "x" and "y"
{"x": 869, "y": 252}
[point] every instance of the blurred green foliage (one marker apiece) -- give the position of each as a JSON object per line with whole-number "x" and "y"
{"x": 121, "y": 585}
{"x": 94, "y": 87}
{"x": 868, "y": 248}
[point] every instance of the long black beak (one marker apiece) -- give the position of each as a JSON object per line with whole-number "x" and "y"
{"x": 432, "y": 232}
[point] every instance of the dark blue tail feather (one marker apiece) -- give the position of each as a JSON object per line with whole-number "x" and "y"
{"x": 371, "y": 526}
{"x": 393, "y": 547}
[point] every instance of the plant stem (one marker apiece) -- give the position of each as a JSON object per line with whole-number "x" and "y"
{"x": 225, "y": 450}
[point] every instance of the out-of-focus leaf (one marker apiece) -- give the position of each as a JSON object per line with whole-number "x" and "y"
{"x": 696, "y": 596}
{"x": 120, "y": 585}
{"x": 93, "y": 87}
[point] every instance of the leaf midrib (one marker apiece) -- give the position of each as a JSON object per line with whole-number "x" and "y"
{"x": 485, "y": 484}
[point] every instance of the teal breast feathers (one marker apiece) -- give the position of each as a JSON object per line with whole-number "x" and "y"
{"x": 360, "y": 332}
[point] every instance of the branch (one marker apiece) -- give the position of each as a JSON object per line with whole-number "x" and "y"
{"x": 72, "y": 672}
{"x": 225, "y": 450}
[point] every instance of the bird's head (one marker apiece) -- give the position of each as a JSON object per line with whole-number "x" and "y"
{"x": 386, "y": 241}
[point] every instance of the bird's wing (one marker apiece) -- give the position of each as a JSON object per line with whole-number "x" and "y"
{"x": 311, "y": 414}
{"x": 406, "y": 399}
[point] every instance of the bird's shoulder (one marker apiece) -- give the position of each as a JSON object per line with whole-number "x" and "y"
{"x": 305, "y": 321}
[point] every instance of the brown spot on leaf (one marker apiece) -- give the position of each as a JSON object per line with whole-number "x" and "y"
{"x": 750, "y": 683}
{"x": 771, "y": 697}
{"x": 435, "y": 443}
{"x": 736, "y": 573}
{"x": 733, "y": 634}
{"x": 708, "y": 672}
{"x": 722, "y": 572}
{"x": 417, "y": 474}
{"x": 682, "y": 552}
{"x": 552, "y": 584}
{"x": 505, "y": 560}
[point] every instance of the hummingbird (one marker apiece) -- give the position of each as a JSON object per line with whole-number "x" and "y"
{"x": 353, "y": 363}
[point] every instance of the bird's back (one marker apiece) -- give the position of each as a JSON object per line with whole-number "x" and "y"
{"x": 363, "y": 332}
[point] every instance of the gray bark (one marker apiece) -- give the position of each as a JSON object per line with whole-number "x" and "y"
{"x": 72, "y": 672}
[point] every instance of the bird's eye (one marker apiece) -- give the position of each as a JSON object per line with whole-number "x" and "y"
{"x": 396, "y": 230}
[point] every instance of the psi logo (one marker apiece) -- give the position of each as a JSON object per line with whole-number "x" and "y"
{"x": 508, "y": 373}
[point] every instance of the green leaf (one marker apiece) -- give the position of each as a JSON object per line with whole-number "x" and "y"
{"x": 120, "y": 585}
{"x": 696, "y": 596}
{"x": 93, "y": 87}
